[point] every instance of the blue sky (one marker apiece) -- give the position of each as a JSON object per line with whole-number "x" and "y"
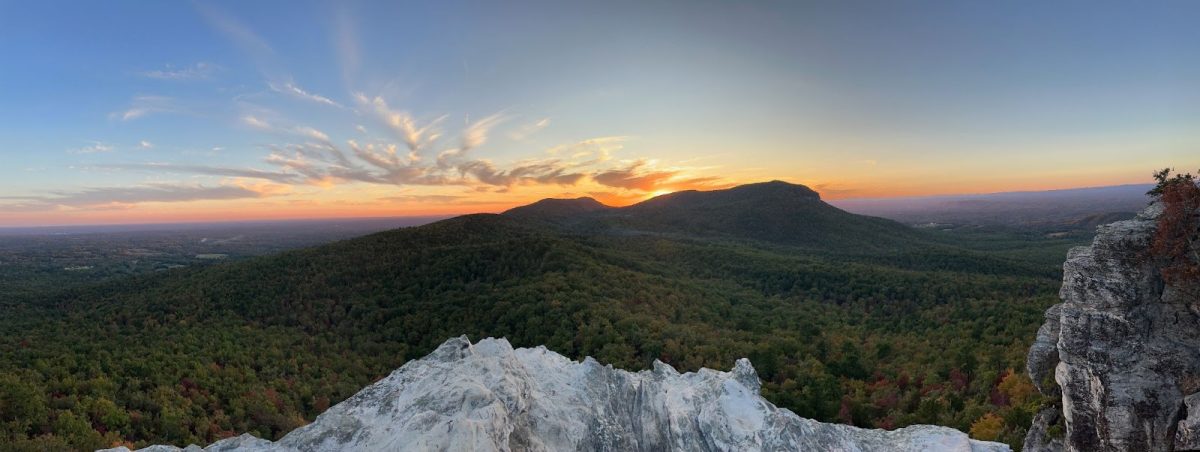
{"x": 170, "y": 111}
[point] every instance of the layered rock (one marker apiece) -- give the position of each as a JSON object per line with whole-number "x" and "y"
{"x": 1123, "y": 347}
{"x": 489, "y": 397}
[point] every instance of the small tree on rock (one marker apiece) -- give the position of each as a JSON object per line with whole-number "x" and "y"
{"x": 1176, "y": 244}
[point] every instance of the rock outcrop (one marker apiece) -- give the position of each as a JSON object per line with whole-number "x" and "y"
{"x": 1124, "y": 349}
{"x": 489, "y": 397}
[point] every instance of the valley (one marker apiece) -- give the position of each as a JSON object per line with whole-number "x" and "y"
{"x": 34, "y": 261}
{"x": 847, "y": 319}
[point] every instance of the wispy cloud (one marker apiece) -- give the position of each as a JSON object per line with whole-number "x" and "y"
{"x": 145, "y": 144}
{"x": 311, "y": 133}
{"x": 550, "y": 172}
{"x": 422, "y": 198}
{"x": 415, "y": 136}
{"x": 111, "y": 197}
{"x": 599, "y": 149}
{"x": 635, "y": 176}
{"x": 476, "y": 134}
{"x": 145, "y": 105}
{"x": 473, "y": 136}
{"x": 197, "y": 71}
{"x": 291, "y": 89}
{"x": 261, "y": 54}
{"x": 527, "y": 130}
{"x": 285, "y": 178}
{"x": 93, "y": 148}
{"x": 639, "y": 175}
{"x": 326, "y": 163}
{"x": 305, "y": 132}
{"x": 256, "y": 122}
{"x": 457, "y": 200}
{"x": 250, "y": 43}
{"x": 346, "y": 43}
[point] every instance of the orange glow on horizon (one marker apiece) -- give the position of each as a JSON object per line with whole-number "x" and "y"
{"x": 325, "y": 205}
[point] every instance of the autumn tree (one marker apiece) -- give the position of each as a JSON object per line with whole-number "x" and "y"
{"x": 1176, "y": 243}
{"x": 987, "y": 427}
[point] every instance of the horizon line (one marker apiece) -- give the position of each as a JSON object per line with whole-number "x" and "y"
{"x": 10, "y": 228}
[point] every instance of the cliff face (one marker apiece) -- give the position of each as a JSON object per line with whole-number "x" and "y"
{"x": 489, "y": 397}
{"x": 1123, "y": 348}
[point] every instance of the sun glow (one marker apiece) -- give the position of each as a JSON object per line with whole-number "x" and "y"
{"x": 658, "y": 193}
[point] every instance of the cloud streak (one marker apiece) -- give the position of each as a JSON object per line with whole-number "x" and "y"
{"x": 527, "y": 130}
{"x": 142, "y": 106}
{"x": 256, "y": 122}
{"x": 415, "y": 136}
{"x": 275, "y": 176}
{"x": 250, "y": 43}
{"x": 261, "y": 54}
{"x": 94, "y": 148}
{"x": 639, "y": 175}
{"x": 600, "y": 149}
{"x": 197, "y": 71}
{"x": 291, "y": 89}
{"x": 123, "y": 197}
{"x": 473, "y": 136}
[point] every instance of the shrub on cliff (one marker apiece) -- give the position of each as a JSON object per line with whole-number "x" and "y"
{"x": 1176, "y": 244}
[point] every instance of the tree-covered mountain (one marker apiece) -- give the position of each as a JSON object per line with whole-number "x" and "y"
{"x": 847, "y": 318}
{"x": 774, "y": 211}
{"x": 552, "y": 209}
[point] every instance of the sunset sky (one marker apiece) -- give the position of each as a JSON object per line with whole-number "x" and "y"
{"x": 138, "y": 111}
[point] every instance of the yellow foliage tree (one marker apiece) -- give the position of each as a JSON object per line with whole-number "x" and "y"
{"x": 987, "y": 427}
{"x": 1017, "y": 387}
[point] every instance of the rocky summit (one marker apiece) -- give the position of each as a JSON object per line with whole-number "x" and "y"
{"x": 489, "y": 397}
{"x": 1124, "y": 349}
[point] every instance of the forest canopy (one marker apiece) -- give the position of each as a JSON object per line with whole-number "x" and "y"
{"x": 932, "y": 333}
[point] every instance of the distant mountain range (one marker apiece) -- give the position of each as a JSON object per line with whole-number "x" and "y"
{"x": 1070, "y": 208}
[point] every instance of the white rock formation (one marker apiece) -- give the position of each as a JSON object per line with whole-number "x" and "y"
{"x": 490, "y": 397}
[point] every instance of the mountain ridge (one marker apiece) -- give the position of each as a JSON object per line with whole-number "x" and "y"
{"x": 550, "y": 207}
{"x": 774, "y": 211}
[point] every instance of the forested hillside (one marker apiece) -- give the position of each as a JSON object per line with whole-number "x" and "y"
{"x": 776, "y": 212}
{"x": 932, "y": 332}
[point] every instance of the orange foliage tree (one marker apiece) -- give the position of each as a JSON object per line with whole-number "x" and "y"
{"x": 1176, "y": 244}
{"x": 987, "y": 427}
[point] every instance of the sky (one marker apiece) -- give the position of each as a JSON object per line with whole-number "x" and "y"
{"x": 135, "y": 111}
